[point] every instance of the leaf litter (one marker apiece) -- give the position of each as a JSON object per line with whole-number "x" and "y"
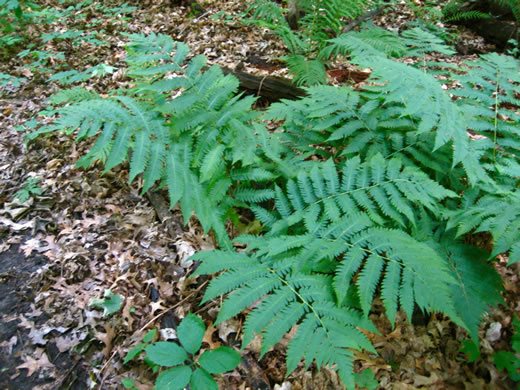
{"x": 87, "y": 233}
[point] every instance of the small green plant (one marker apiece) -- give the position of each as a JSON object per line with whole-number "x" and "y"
{"x": 366, "y": 380}
{"x": 510, "y": 360}
{"x": 184, "y": 363}
{"x": 120, "y": 11}
{"x": 13, "y": 15}
{"x": 42, "y": 59}
{"x": 222, "y": 15}
{"x": 7, "y": 79}
{"x": 513, "y": 48}
{"x": 72, "y": 76}
{"x": 30, "y": 188}
{"x": 110, "y": 303}
{"x": 75, "y": 37}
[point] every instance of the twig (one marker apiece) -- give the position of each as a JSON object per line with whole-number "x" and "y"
{"x": 356, "y": 22}
{"x": 171, "y": 308}
{"x": 103, "y": 369}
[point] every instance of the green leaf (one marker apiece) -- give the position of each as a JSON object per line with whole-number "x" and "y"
{"x": 191, "y": 332}
{"x": 220, "y": 360}
{"x": 134, "y": 352}
{"x": 165, "y": 353}
{"x": 366, "y": 380}
{"x": 175, "y": 378}
{"x": 201, "y": 380}
{"x": 174, "y": 178}
{"x": 212, "y": 163}
{"x": 471, "y": 349}
{"x": 119, "y": 151}
{"x": 368, "y": 280}
{"x": 149, "y": 336}
{"x": 111, "y": 303}
{"x": 508, "y": 361}
{"x": 127, "y": 383}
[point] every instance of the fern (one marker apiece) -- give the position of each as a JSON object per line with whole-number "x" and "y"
{"x": 477, "y": 286}
{"x": 489, "y": 94}
{"x": 183, "y": 128}
{"x": 486, "y": 214}
{"x": 421, "y": 41}
{"x": 328, "y": 14}
{"x": 267, "y": 11}
{"x": 306, "y": 72}
{"x": 326, "y": 234}
{"x": 418, "y": 94}
{"x": 451, "y": 13}
{"x": 358, "y": 122}
{"x": 326, "y": 333}
{"x": 358, "y": 194}
{"x": 375, "y": 41}
{"x": 321, "y": 20}
{"x": 377, "y": 38}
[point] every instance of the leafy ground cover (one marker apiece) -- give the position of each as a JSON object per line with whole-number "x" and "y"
{"x": 70, "y": 236}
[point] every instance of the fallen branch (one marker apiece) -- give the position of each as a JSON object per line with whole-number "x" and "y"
{"x": 269, "y": 87}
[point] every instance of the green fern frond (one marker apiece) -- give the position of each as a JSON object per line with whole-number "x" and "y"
{"x": 77, "y": 94}
{"x": 477, "y": 285}
{"x": 186, "y": 132}
{"x": 424, "y": 99}
{"x": 487, "y": 215}
{"x": 305, "y": 71}
{"x": 374, "y": 41}
{"x": 289, "y": 298}
{"x": 312, "y": 236}
{"x": 379, "y": 188}
{"x": 353, "y": 43}
{"x": 267, "y": 11}
{"x": 421, "y": 41}
{"x": 490, "y": 95}
{"x": 338, "y": 217}
{"x": 457, "y": 16}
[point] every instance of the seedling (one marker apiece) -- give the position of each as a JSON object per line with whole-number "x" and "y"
{"x": 29, "y": 189}
{"x": 184, "y": 363}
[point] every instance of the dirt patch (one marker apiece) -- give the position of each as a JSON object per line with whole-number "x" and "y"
{"x": 27, "y": 361}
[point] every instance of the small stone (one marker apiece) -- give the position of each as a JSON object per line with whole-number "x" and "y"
{"x": 493, "y": 333}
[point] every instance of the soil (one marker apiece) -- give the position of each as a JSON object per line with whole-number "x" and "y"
{"x": 19, "y": 283}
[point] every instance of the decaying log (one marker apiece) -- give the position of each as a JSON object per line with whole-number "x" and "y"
{"x": 499, "y": 28}
{"x": 269, "y": 87}
{"x": 495, "y": 30}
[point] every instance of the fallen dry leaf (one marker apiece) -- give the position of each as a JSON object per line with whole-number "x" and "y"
{"x": 32, "y": 365}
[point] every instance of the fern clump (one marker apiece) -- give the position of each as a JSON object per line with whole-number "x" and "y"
{"x": 358, "y": 194}
{"x": 317, "y": 21}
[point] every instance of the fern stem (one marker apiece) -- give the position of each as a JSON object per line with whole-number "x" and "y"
{"x": 496, "y": 118}
{"x": 302, "y": 299}
{"x": 321, "y": 200}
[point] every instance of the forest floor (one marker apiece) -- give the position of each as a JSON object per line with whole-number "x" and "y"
{"x": 87, "y": 232}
